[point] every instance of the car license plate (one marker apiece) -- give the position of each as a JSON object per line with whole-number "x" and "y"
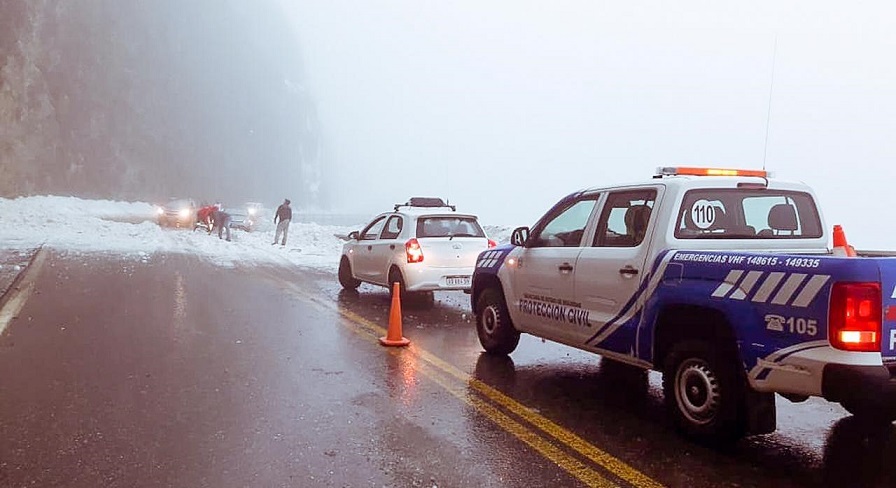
{"x": 458, "y": 281}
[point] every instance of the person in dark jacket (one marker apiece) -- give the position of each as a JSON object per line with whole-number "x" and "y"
{"x": 222, "y": 221}
{"x": 284, "y": 215}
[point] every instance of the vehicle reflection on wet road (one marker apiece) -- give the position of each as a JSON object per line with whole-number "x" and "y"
{"x": 172, "y": 372}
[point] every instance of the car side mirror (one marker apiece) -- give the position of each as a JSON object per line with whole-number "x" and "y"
{"x": 519, "y": 236}
{"x": 353, "y": 235}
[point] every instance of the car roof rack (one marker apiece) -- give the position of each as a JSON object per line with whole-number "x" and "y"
{"x": 425, "y": 202}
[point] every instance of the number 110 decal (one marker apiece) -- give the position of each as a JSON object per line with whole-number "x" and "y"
{"x": 703, "y": 213}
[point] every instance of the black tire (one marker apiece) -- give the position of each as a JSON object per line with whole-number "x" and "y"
{"x": 870, "y": 414}
{"x": 704, "y": 392}
{"x": 345, "y": 275}
{"x": 496, "y": 332}
{"x": 395, "y": 276}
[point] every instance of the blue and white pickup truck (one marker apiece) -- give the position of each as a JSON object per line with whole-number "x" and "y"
{"x": 723, "y": 280}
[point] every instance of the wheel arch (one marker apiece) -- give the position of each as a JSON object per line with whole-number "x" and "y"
{"x": 482, "y": 282}
{"x": 345, "y": 258}
{"x": 681, "y": 322}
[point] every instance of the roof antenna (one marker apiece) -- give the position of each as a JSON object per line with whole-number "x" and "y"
{"x": 768, "y": 115}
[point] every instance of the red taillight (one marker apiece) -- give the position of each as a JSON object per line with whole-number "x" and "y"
{"x": 412, "y": 248}
{"x": 854, "y": 318}
{"x": 492, "y": 243}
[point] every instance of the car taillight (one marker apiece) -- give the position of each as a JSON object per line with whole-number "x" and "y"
{"x": 854, "y": 317}
{"x": 492, "y": 243}
{"x": 412, "y": 248}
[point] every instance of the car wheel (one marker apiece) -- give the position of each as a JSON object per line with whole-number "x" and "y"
{"x": 345, "y": 275}
{"x": 870, "y": 414}
{"x": 496, "y": 332}
{"x": 395, "y": 277}
{"x": 704, "y": 392}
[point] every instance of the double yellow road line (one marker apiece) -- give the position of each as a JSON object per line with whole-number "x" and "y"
{"x": 20, "y": 290}
{"x": 581, "y": 459}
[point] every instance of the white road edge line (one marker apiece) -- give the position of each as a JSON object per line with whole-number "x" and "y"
{"x": 22, "y": 293}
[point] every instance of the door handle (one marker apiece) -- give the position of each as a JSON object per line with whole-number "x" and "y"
{"x": 565, "y": 267}
{"x": 392, "y": 246}
{"x": 628, "y": 270}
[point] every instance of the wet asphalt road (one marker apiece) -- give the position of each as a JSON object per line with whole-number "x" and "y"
{"x": 173, "y": 372}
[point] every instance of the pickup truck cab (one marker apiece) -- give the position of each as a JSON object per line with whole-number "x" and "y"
{"x": 720, "y": 279}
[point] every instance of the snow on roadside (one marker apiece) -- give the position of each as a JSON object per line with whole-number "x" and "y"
{"x": 129, "y": 228}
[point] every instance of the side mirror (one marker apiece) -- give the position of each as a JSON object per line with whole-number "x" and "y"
{"x": 353, "y": 235}
{"x": 519, "y": 236}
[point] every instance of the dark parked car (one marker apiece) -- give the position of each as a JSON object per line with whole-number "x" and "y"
{"x": 179, "y": 212}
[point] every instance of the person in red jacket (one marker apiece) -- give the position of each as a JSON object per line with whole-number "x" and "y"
{"x": 205, "y": 215}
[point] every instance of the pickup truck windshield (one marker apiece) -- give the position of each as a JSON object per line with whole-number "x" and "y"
{"x": 747, "y": 214}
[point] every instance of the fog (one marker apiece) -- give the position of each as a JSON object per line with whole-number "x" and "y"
{"x": 500, "y": 107}
{"x": 503, "y": 107}
{"x": 151, "y": 100}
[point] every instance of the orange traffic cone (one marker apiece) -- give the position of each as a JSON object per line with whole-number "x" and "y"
{"x": 841, "y": 247}
{"x": 393, "y": 335}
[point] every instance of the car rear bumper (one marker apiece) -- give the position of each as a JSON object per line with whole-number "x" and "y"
{"x": 435, "y": 279}
{"x": 869, "y": 385}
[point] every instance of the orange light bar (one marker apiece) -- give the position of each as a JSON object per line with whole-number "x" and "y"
{"x": 694, "y": 171}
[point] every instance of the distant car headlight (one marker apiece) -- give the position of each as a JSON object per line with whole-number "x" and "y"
{"x": 252, "y": 211}
{"x": 160, "y": 210}
{"x": 184, "y": 213}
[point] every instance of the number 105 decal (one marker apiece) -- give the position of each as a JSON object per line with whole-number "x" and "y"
{"x": 793, "y": 325}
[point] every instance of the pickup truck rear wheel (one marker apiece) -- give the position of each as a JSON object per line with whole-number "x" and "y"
{"x": 870, "y": 414}
{"x": 345, "y": 276}
{"x": 703, "y": 392}
{"x": 496, "y": 333}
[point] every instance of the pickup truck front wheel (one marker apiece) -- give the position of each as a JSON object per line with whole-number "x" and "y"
{"x": 703, "y": 393}
{"x": 496, "y": 333}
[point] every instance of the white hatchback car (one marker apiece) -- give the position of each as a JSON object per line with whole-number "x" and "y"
{"x": 424, "y": 245}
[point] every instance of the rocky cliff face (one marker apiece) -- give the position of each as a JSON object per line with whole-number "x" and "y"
{"x": 147, "y": 100}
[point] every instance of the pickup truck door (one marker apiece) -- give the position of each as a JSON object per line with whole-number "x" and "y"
{"x": 611, "y": 268}
{"x": 544, "y": 278}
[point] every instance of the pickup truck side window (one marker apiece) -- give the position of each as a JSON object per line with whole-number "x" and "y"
{"x": 623, "y": 221}
{"x": 747, "y": 214}
{"x": 372, "y": 231}
{"x": 566, "y": 228}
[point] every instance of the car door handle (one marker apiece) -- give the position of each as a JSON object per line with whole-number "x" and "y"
{"x": 628, "y": 270}
{"x": 565, "y": 267}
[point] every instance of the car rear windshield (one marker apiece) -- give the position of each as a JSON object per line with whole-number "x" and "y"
{"x": 446, "y": 226}
{"x": 747, "y": 214}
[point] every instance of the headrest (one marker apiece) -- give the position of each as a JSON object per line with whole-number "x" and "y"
{"x": 636, "y": 217}
{"x": 782, "y": 217}
{"x": 721, "y": 219}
